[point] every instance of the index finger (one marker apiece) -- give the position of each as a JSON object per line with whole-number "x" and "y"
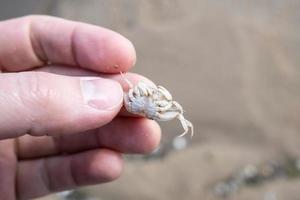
{"x": 33, "y": 41}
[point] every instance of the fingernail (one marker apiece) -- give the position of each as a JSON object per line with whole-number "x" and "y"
{"x": 101, "y": 94}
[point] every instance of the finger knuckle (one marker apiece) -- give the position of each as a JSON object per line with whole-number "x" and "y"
{"x": 33, "y": 91}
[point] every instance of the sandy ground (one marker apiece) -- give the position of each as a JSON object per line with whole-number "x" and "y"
{"x": 233, "y": 65}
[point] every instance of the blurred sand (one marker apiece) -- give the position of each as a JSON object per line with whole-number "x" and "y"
{"x": 233, "y": 65}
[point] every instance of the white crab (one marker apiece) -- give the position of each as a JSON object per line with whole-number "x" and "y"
{"x": 155, "y": 102}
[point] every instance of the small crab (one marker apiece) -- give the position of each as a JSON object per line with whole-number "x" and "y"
{"x": 154, "y": 102}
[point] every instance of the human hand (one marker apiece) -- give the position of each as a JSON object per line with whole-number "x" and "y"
{"x": 60, "y": 125}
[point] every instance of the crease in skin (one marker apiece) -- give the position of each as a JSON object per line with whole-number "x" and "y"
{"x": 46, "y": 175}
{"x": 73, "y": 48}
{"x": 40, "y": 57}
{"x": 1, "y": 67}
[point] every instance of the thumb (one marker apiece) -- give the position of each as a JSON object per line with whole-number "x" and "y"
{"x": 40, "y": 103}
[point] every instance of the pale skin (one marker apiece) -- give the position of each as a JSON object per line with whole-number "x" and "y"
{"x": 60, "y": 123}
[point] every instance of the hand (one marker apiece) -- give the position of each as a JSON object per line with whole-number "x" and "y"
{"x": 60, "y": 125}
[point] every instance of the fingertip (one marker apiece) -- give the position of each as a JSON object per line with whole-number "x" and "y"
{"x": 130, "y": 135}
{"x": 151, "y": 139}
{"x": 103, "y": 50}
{"x": 106, "y": 165}
{"x": 125, "y": 53}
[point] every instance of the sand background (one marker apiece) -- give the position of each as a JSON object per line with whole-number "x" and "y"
{"x": 233, "y": 65}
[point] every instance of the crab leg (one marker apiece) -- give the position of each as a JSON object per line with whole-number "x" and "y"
{"x": 185, "y": 124}
{"x": 162, "y": 106}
